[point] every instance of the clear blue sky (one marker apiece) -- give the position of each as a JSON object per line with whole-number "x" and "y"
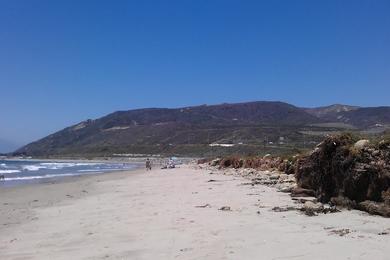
{"x": 65, "y": 61}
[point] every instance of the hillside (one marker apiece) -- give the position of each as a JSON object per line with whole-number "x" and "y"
{"x": 360, "y": 117}
{"x": 367, "y": 117}
{"x": 251, "y": 127}
{"x": 159, "y": 130}
{"x": 330, "y": 112}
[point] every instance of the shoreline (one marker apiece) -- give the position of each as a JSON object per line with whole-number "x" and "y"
{"x": 181, "y": 213}
{"x": 54, "y": 177}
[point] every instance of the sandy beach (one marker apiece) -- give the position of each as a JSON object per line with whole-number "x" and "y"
{"x": 175, "y": 214}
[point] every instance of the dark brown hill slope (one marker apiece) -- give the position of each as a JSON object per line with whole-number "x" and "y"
{"x": 149, "y": 130}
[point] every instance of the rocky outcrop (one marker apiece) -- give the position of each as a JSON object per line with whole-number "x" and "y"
{"x": 346, "y": 172}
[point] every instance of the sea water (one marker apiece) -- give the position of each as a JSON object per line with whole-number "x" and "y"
{"x": 17, "y": 172}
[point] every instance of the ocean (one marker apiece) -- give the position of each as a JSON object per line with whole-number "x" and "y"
{"x": 17, "y": 172}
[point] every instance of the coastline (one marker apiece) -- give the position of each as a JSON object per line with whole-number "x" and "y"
{"x": 175, "y": 214}
{"x": 21, "y": 172}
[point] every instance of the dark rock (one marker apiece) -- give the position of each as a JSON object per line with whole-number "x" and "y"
{"x": 225, "y": 208}
{"x": 343, "y": 202}
{"x": 301, "y": 192}
{"x": 375, "y": 208}
{"x": 204, "y": 206}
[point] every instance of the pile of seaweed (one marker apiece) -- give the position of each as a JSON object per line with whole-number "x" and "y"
{"x": 347, "y": 172}
{"x": 259, "y": 163}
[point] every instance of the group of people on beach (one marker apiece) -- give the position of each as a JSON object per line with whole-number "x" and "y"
{"x": 169, "y": 165}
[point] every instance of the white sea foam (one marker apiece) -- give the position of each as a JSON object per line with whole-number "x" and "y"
{"x": 104, "y": 169}
{"x": 3, "y": 165}
{"x": 92, "y": 170}
{"x": 56, "y": 166}
{"x": 8, "y": 171}
{"x": 43, "y": 176}
{"x": 52, "y": 166}
{"x": 32, "y": 168}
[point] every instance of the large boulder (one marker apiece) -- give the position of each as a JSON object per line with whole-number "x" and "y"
{"x": 361, "y": 144}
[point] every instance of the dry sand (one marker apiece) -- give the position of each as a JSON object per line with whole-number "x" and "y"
{"x": 154, "y": 215}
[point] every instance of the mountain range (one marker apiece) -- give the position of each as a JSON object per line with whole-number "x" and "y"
{"x": 249, "y": 127}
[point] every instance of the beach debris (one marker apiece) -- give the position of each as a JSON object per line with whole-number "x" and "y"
{"x": 215, "y": 162}
{"x": 340, "y": 232}
{"x": 283, "y": 209}
{"x": 247, "y": 183}
{"x": 328, "y": 228}
{"x": 253, "y": 164}
{"x": 212, "y": 180}
{"x": 311, "y": 208}
{"x": 225, "y": 208}
{"x": 383, "y": 233}
{"x": 204, "y": 206}
{"x": 304, "y": 199}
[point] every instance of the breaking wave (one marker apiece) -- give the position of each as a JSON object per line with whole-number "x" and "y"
{"x": 42, "y": 176}
{"x": 8, "y": 171}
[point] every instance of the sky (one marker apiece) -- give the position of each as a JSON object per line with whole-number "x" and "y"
{"x": 62, "y": 62}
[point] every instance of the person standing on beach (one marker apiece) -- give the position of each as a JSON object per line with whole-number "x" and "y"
{"x": 148, "y": 164}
